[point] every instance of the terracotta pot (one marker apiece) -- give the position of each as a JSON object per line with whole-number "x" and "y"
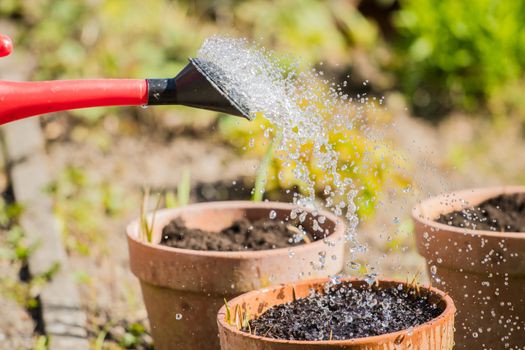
{"x": 483, "y": 271}
{"x": 183, "y": 289}
{"x": 433, "y": 335}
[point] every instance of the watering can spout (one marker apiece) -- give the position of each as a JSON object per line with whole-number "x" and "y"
{"x": 194, "y": 88}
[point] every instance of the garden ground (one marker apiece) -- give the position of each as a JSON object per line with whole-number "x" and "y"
{"x": 100, "y": 173}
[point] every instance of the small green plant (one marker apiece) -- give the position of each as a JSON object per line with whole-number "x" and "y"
{"x": 17, "y": 252}
{"x": 99, "y": 342}
{"x": 170, "y": 199}
{"x": 147, "y": 225}
{"x": 82, "y": 203}
{"x": 16, "y": 248}
{"x": 182, "y": 198}
{"x": 414, "y": 285}
{"x": 122, "y": 334}
{"x": 9, "y": 213}
{"x": 132, "y": 337}
{"x": 228, "y": 312}
{"x": 184, "y": 188}
{"x": 42, "y": 343}
{"x": 239, "y": 318}
{"x": 262, "y": 173}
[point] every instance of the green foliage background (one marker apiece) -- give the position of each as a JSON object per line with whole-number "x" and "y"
{"x": 463, "y": 54}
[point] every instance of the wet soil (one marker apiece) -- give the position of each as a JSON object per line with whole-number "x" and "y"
{"x": 504, "y": 213}
{"x": 344, "y": 312}
{"x": 241, "y": 235}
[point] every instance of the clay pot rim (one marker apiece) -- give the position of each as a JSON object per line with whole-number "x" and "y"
{"x": 338, "y": 231}
{"x": 417, "y": 211}
{"x": 450, "y": 308}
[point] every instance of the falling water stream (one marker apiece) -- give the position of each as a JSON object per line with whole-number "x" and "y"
{"x": 297, "y": 104}
{"x": 303, "y": 108}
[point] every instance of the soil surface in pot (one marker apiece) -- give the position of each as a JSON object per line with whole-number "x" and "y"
{"x": 343, "y": 312}
{"x": 504, "y": 213}
{"x": 241, "y": 235}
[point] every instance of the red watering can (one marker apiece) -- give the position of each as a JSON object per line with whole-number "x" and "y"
{"x": 194, "y": 86}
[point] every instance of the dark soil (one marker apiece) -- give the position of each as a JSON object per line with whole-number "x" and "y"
{"x": 504, "y": 213}
{"x": 239, "y": 189}
{"x": 345, "y": 312}
{"x": 241, "y": 235}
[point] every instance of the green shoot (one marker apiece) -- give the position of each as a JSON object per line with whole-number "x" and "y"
{"x": 170, "y": 201}
{"x": 145, "y": 224}
{"x": 262, "y": 173}
{"x": 183, "y": 191}
{"x": 184, "y": 188}
{"x": 99, "y": 343}
{"x": 414, "y": 280}
{"x": 241, "y": 319}
{"x": 245, "y": 321}
{"x": 248, "y": 325}
{"x": 42, "y": 343}
{"x": 414, "y": 285}
{"x": 238, "y": 316}
{"x": 228, "y": 312}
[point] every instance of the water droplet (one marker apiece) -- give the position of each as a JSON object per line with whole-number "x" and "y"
{"x": 335, "y": 279}
{"x": 370, "y": 278}
{"x": 178, "y": 317}
{"x": 354, "y": 265}
{"x": 273, "y": 214}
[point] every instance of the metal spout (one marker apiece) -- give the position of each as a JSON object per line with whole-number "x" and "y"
{"x": 195, "y": 88}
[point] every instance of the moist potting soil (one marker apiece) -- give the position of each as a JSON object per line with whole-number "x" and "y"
{"x": 344, "y": 312}
{"x": 504, "y": 213}
{"x": 241, "y": 235}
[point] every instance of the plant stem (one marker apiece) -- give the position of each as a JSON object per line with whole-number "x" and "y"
{"x": 146, "y": 225}
{"x": 184, "y": 188}
{"x": 262, "y": 173}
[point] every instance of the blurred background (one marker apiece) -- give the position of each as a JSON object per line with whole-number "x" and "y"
{"x": 449, "y": 75}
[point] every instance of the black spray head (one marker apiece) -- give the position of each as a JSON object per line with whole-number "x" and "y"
{"x": 197, "y": 85}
